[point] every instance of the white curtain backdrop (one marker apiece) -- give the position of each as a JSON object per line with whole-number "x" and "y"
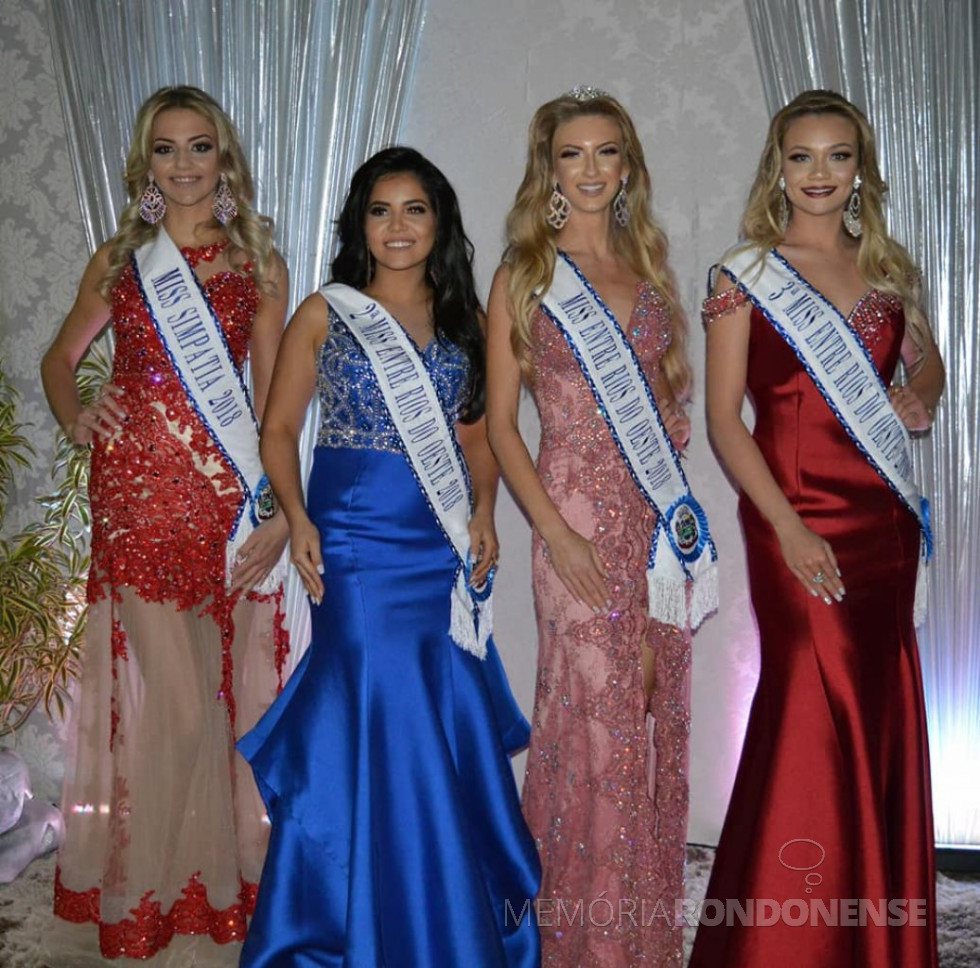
{"x": 314, "y": 87}
{"x": 914, "y": 67}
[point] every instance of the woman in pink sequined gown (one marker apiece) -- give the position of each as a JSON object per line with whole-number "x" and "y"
{"x": 165, "y": 831}
{"x": 606, "y": 801}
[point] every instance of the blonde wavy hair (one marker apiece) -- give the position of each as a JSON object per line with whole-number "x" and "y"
{"x": 250, "y": 233}
{"x": 882, "y": 262}
{"x": 532, "y": 249}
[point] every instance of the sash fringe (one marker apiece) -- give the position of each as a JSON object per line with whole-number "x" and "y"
{"x": 470, "y": 623}
{"x": 668, "y": 599}
{"x": 683, "y": 604}
{"x": 704, "y": 595}
{"x": 920, "y": 607}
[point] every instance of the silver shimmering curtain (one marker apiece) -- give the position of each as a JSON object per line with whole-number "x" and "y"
{"x": 314, "y": 87}
{"x": 914, "y": 67}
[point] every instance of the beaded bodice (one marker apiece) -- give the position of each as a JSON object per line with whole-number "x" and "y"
{"x": 873, "y": 317}
{"x": 352, "y": 409}
{"x": 140, "y": 355}
{"x": 163, "y": 497}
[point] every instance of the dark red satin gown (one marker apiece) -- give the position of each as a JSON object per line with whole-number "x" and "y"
{"x": 831, "y": 799}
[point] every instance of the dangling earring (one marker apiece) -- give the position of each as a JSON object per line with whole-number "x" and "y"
{"x": 852, "y": 211}
{"x": 621, "y": 206}
{"x": 782, "y": 210}
{"x": 225, "y": 208}
{"x": 370, "y": 268}
{"x": 153, "y": 205}
{"x": 559, "y": 208}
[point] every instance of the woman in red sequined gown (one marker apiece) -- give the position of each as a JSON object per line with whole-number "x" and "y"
{"x": 831, "y": 800}
{"x": 610, "y": 835}
{"x": 165, "y": 829}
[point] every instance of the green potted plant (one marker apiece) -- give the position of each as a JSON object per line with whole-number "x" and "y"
{"x": 43, "y": 568}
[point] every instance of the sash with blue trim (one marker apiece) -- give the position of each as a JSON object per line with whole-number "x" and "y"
{"x": 842, "y": 370}
{"x": 430, "y": 445}
{"x": 193, "y": 339}
{"x": 682, "y": 575}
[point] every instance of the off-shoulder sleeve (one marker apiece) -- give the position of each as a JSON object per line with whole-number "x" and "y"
{"x": 722, "y": 304}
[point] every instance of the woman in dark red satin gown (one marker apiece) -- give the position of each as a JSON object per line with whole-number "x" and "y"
{"x": 831, "y": 806}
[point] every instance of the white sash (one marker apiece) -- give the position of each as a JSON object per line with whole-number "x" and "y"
{"x": 192, "y": 336}
{"x": 429, "y": 444}
{"x": 682, "y": 553}
{"x": 844, "y": 373}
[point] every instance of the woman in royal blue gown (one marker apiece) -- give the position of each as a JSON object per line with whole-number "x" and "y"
{"x": 397, "y": 837}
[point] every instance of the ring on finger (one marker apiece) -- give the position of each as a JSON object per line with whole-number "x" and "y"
{"x": 819, "y": 578}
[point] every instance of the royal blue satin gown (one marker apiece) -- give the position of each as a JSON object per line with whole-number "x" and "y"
{"x": 397, "y": 835}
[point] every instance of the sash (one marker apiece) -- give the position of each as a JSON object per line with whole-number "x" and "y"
{"x": 429, "y": 444}
{"x": 682, "y": 577}
{"x": 844, "y": 373}
{"x": 192, "y": 337}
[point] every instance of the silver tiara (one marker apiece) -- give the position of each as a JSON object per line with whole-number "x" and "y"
{"x": 585, "y": 92}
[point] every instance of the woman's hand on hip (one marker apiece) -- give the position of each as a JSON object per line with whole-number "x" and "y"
{"x": 103, "y": 417}
{"x": 910, "y": 409}
{"x": 678, "y": 426}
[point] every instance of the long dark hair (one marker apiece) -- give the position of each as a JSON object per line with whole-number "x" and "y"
{"x": 449, "y": 269}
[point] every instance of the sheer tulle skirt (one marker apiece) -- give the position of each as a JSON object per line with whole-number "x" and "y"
{"x": 166, "y": 832}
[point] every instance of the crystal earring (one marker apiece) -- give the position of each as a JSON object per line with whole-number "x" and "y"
{"x": 559, "y": 208}
{"x": 621, "y": 206}
{"x": 153, "y": 205}
{"x": 852, "y": 211}
{"x": 782, "y": 209}
{"x": 225, "y": 208}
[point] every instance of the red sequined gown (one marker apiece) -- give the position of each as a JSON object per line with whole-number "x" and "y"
{"x": 165, "y": 830}
{"x": 612, "y": 854}
{"x": 831, "y": 805}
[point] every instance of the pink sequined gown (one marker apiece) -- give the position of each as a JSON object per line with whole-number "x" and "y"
{"x": 612, "y": 856}
{"x": 165, "y": 828}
